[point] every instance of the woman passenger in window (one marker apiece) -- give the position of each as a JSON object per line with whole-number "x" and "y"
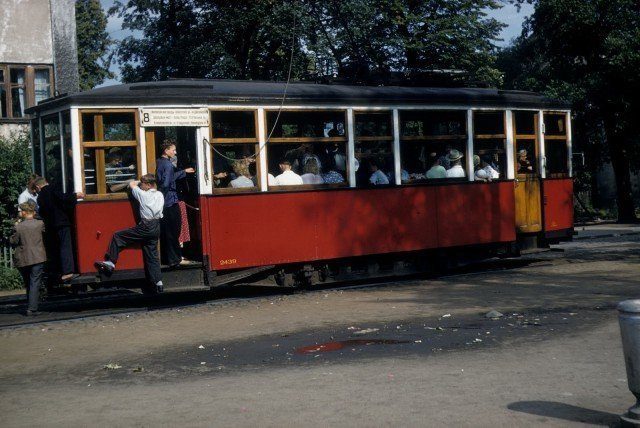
{"x": 331, "y": 176}
{"x": 436, "y": 170}
{"x": 243, "y": 176}
{"x": 486, "y": 172}
{"x": 311, "y": 173}
{"x": 455, "y": 159}
{"x": 524, "y": 166}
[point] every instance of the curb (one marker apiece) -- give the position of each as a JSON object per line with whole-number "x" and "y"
{"x": 608, "y": 235}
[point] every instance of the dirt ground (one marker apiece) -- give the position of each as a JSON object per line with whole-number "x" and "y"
{"x": 555, "y": 359}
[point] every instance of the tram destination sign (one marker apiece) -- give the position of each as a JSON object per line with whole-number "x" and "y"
{"x": 174, "y": 117}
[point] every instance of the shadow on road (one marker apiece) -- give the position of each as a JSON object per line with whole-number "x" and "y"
{"x": 567, "y": 412}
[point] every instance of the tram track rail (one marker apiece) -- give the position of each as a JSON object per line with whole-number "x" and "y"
{"x": 60, "y": 308}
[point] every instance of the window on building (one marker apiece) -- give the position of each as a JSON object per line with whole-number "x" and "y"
{"x": 489, "y": 142}
{"x": 307, "y": 148}
{"x": 109, "y": 151}
{"x": 432, "y": 145}
{"x": 23, "y": 86}
{"x": 525, "y": 125}
{"x": 555, "y": 142}
{"x": 374, "y": 149}
{"x": 234, "y": 146}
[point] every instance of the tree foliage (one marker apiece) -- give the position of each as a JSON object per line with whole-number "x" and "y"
{"x": 587, "y": 52}
{"x": 15, "y": 170}
{"x": 93, "y": 44}
{"x": 354, "y": 40}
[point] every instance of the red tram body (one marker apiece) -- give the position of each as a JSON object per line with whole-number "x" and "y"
{"x": 298, "y": 229}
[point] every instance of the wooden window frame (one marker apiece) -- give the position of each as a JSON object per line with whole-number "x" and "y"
{"x": 302, "y": 140}
{"x": 526, "y": 137}
{"x": 503, "y": 137}
{"x": 373, "y": 138}
{"x": 100, "y": 145}
{"x": 556, "y": 139}
{"x": 464, "y": 138}
{"x": 236, "y": 141}
{"x": 29, "y": 86}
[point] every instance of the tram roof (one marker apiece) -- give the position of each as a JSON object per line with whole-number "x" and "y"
{"x": 189, "y": 92}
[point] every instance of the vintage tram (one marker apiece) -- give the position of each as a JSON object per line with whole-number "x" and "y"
{"x": 341, "y": 226}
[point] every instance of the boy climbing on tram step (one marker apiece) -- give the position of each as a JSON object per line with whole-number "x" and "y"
{"x": 146, "y": 232}
{"x": 30, "y": 254}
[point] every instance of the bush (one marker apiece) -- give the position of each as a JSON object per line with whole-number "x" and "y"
{"x": 15, "y": 169}
{"x": 10, "y": 279}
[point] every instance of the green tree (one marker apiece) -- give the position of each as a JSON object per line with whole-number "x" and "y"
{"x": 94, "y": 56}
{"x": 15, "y": 170}
{"x": 588, "y": 52}
{"x": 356, "y": 40}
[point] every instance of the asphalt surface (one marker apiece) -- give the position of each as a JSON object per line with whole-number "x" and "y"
{"x": 413, "y": 353}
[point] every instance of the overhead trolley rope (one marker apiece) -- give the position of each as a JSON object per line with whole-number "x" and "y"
{"x": 284, "y": 96}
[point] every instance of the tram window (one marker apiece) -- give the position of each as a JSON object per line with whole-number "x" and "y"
{"x": 67, "y": 150}
{"x": 315, "y": 163}
{"x": 233, "y": 124}
{"x": 235, "y": 151}
{"x": 526, "y": 156}
{"x": 89, "y": 171}
{"x": 110, "y": 151}
{"x": 35, "y": 142}
{"x": 554, "y": 124}
{"x": 235, "y": 166}
{"x": 52, "y": 156}
{"x": 556, "y": 157}
{"x": 374, "y": 148}
{"x": 303, "y": 124}
{"x": 525, "y": 122}
{"x": 120, "y": 168}
{"x": 432, "y": 143}
{"x": 313, "y": 143}
{"x": 489, "y": 141}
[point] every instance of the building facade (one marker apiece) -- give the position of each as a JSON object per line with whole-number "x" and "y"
{"x": 38, "y": 57}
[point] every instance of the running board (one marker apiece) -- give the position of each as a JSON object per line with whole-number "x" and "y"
{"x": 230, "y": 278}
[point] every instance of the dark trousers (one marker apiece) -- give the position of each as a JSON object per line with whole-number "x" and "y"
{"x": 146, "y": 234}
{"x": 170, "y": 233}
{"x": 67, "y": 265}
{"x": 32, "y": 277}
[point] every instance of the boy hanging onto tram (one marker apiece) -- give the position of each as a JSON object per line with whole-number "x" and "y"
{"x": 146, "y": 232}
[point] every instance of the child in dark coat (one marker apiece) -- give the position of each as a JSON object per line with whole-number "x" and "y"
{"x": 30, "y": 256}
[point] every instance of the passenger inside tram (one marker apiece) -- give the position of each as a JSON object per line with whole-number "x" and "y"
{"x": 485, "y": 171}
{"x": 524, "y": 164}
{"x": 311, "y": 172}
{"x": 377, "y": 177}
{"x": 118, "y": 174}
{"x": 436, "y": 170}
{"x": 287, "y": 177}
{"x": 455, "y": 160}
{"x": 243, "y": 178}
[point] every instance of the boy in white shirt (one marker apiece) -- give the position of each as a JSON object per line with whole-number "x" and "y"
{"x": 146, "y": 232}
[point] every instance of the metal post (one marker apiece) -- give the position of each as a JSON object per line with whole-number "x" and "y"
{"x": 629, "y": 317}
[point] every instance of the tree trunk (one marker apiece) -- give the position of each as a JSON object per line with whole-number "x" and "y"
{"x": 620, "y": 163}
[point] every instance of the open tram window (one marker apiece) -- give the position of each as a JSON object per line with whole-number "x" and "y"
{"x": 374, "y": 149}
{"x": 35, "y": 144}
{"x": 52, "y": 154}
{"x": 555, "y": 142}
{"x": 525, "y": 124}
{"x": 235, "y": 151}
{"x": 109, "y": 152}
{"x": 489, "y": 139}
{"x": 432, "y": 145}
{"x": 307, "y": 148}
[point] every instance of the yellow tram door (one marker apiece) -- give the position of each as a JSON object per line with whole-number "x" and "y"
{"x": 527, "y": 172}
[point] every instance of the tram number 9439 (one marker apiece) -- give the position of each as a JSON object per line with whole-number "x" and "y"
{"x": 226, "y": 262}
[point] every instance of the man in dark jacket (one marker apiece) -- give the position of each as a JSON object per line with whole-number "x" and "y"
{"x": 56, "y": 209}
{"x": 167, "y": 175}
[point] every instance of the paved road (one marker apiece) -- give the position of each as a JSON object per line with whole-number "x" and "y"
{"x": 413, "y": 353}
